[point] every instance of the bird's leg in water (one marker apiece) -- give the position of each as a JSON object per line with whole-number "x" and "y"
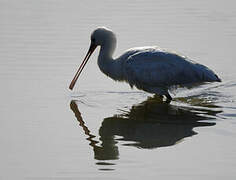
{"x": 168, "y": 98}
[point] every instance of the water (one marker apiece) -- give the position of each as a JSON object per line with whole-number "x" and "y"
{"x": 103, "y": 129}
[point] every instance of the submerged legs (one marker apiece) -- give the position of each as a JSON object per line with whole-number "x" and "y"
{"x": 168, "y": 98}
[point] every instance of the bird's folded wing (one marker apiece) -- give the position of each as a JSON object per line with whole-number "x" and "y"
{"x": 159, "y": 69}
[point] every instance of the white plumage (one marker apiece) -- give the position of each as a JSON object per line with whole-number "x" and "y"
{"x": 148, "y": 68}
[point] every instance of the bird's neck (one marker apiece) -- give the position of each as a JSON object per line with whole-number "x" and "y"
{"x": 109, "y": 66}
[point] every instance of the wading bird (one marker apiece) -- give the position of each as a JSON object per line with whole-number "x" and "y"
{"x": 151, "y": 69}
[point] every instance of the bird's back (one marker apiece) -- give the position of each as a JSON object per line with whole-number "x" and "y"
{"x": 153, "y": 67}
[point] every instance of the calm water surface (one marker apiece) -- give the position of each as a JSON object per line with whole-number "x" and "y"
{"x": 103, "y": 129}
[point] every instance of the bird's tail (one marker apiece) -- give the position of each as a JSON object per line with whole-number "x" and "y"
{"x": 207, "y": 74}
{"x": 218, "y": 79}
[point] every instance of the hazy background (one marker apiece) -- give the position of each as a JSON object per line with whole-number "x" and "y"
{"x": 125, "y": 135}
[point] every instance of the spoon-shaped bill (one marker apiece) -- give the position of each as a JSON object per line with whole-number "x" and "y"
{"x": 89, "y": 53}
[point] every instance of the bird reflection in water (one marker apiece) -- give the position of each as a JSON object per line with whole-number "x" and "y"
{"x": 150, "y": 124}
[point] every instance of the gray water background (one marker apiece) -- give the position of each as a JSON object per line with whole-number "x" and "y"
{"x": 103, "y": 129}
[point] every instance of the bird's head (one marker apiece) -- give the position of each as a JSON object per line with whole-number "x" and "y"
{"x": 100, "y": 37}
